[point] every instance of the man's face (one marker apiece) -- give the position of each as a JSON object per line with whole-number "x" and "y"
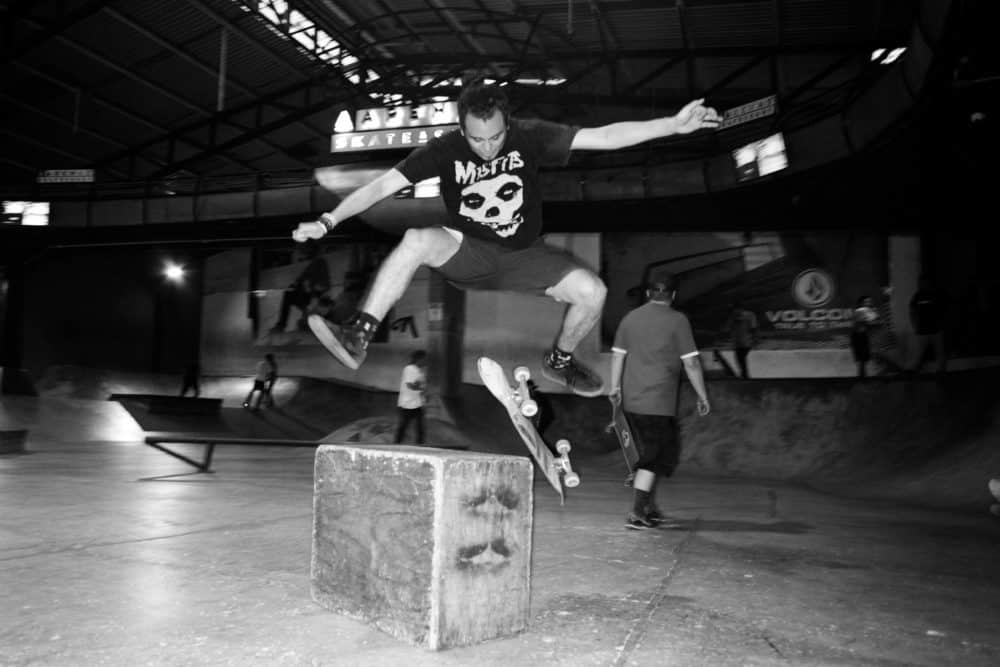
{"x": 485, "y": 137}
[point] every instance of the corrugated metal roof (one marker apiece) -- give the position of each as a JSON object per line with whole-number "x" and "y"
{"x": 131, "y": 87}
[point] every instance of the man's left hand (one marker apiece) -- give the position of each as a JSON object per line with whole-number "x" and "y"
{"x": 696, "y": 116}
{"x": 703, "y": 407}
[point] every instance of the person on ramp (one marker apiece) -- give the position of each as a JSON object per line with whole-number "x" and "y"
{"x": 489, "y": 171}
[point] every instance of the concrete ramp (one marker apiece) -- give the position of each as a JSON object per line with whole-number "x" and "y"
{"x": 919, "y": 439}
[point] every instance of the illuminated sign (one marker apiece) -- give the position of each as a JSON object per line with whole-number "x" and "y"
{"x": 382, "y": 139}
{"x": 760, "y": 158}
{"x": 745, "y": 113}
{"x": 66, "y": 176}
{"x": 393, "y": 127}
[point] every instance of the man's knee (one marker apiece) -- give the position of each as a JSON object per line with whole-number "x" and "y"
{"x": 581, "y": 287}
{"x": 432, "y": 245}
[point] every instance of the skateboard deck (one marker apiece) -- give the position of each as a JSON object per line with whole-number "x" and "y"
{"x": 619, "y": 424}
{"x": 557, "y": 470}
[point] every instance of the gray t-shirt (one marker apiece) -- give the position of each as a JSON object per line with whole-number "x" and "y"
{"x": 654, "y": 337}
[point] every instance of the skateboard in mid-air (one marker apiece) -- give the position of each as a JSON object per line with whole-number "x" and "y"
{"x": 521, "y": 408}
{"x": 619, "y": 424}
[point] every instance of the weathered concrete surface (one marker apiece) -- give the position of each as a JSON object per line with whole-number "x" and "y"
{"x": 113, "y": 554}
{"x": 876, "y": 549}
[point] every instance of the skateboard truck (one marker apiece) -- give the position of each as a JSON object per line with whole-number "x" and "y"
{"x": 570, "y": 478}
{"x": 529, "y": 408}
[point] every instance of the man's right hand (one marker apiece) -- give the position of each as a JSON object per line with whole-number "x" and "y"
{"x": 308, "y": 230}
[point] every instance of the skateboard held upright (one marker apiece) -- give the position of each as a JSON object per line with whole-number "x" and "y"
{"x": 619, "y": 424}
{"x": 557, "y": 469}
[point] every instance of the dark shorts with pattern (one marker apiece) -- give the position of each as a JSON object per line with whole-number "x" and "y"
{"x": 483, "y": 265}
{"x": 658, "y": 442}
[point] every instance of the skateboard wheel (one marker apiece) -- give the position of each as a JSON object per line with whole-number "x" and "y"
{"x": 563, "y": 446}
{"x": 522, "y": 374}
{"x": 572, "y": 479}
{"x": 529, "y": 408}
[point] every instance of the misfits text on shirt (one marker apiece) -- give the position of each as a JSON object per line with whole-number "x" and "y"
{"x": 490, "y": 194}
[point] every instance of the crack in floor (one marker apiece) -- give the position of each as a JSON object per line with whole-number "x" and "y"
{"x": 656, "y": 599}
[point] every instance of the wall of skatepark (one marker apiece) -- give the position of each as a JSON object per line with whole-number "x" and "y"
{"x": 112, "y": 309}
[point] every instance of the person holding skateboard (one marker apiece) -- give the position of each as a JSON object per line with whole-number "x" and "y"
{"x": 489, "y": 171}
{"x": 652, "y": 344}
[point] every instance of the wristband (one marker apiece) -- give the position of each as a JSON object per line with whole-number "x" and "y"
{"x": 328, "y": 221}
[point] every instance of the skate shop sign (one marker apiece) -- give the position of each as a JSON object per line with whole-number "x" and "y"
{"x": 813, "y": 290}
{"x": 392, "y": 127}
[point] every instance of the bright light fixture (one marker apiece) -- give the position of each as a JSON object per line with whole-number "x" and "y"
{"x": 173, "y": 272}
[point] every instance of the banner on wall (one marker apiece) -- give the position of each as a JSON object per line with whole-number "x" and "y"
{"x": 801, "y": 287}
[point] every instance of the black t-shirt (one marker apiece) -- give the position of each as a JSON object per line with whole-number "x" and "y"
{"x": 499, "y": 200}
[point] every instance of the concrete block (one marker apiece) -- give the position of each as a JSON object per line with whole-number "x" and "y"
{"x": 431, "y": 546}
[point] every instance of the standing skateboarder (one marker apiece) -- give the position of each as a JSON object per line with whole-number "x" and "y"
{"x": 489, "y": 171}
{"x": 657, "y": 341}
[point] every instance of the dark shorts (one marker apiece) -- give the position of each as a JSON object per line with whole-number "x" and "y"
{"x": 482, "y": 265}
{"x": 658, "y": 442}
{"x": 861, "y": 347}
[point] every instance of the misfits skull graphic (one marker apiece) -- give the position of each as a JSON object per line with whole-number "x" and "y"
{"x": 495, "y": 203}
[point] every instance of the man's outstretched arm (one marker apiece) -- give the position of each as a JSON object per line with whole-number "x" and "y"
{"x": 357, "y": 202}
{"x": 694, "y": 116}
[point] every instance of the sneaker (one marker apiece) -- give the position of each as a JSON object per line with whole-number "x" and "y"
{"x": 638, "y": 522}
{"x": 580, "y": 379}
{"x": 994, "y": 487}
{"x": 661, "y": 520}
{"x": 656, "y": 516}
{"x": 346, "y": 343}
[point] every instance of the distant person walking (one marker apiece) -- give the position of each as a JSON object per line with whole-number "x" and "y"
{"x": 410, "y": 403}
{"x": 652, "y": 344}
{"x": 927, "y": 317}
{"x": 267, "y": 370}
{"x": 741, "y": 326}
{"x": 192, "y": 372}
{"x": 863, "y": 318}
{"x": 270, "y": 380}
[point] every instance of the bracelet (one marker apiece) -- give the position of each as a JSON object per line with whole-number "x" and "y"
{"x": 328, "y": 221}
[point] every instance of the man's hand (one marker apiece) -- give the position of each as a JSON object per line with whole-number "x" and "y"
{"x": 695, "y": 116}
{"x": 308, "y": 230}
{"x": 615, "y": 395}
{"x": 703, "y": 407}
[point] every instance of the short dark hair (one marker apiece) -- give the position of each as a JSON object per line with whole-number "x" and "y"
{"x": 664, "y": 282}
{"x": 482, "y": 100}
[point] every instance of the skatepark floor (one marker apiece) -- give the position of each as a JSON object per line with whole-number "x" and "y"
{"x": 112, "y": 553}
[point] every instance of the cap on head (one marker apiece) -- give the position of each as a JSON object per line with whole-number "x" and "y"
{"x": 664, "y": 284}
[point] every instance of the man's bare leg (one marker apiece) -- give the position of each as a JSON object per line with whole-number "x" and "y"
{"x": 585, "y": 293}
{"x": 430, "y": 246}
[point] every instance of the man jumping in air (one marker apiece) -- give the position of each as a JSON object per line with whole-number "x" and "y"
{"x": 489, "y": 170}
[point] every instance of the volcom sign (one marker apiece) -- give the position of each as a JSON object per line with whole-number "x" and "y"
{"x": 812, "y": 289}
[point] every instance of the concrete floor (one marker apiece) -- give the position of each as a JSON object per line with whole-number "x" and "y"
{"x": 112, "y": 553}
